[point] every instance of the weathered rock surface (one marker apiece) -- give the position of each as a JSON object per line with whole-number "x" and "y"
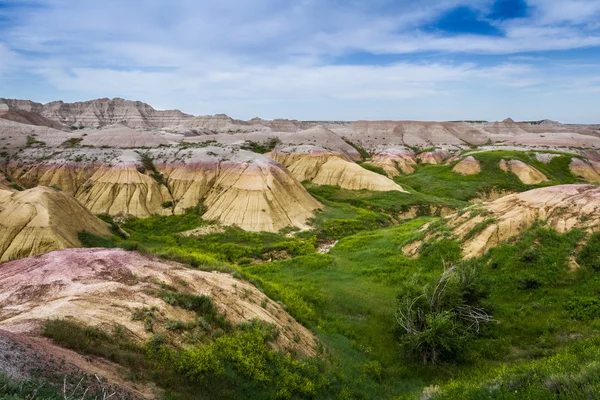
{"x": 525, "y": 172}
{"x": 322, "y": 167}
{"x": 434, "y": 157}
{"x": 101, "y": 112}
{"x": 42, "y": 219}
{"x": 584, "y": 170}
{"x": 104, "y": 287}
{"x": 238, "y": 187}
{"x": 468, "y": 166}
{"x": 564, "y": 207}
{"x": 394, "y": 161}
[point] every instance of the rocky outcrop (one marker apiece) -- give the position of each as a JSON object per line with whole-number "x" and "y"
{"x": 102, "y": 112}
{"x": 564, "y": 207}
{"x": 323, "y": 167}
{"x": 42, "y": 219}
{"x": 584, "y": 170}
{"x": 394, "y": 161}
{"x": 102, "y": 287}
{"x": 467, "y": 166}
{"x": 434, "y": 157}
{"x": 238, "y": 187}
{"x": 525, "y": 172}
{"x": 30, "y": 118}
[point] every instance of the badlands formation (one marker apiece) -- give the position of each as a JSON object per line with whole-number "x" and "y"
{"x": 312, "y": 206}
{"x": 103, "y": 287}
{"x": 42, "y": 219}
{"x": 121, "y": 158}
{"x": 563, "y": 207}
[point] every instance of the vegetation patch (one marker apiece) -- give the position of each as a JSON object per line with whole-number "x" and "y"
{"x": 261, "y": 147}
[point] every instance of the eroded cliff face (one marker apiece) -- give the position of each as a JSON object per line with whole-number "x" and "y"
{"x": 42, "y": 219}
{"x": 101, "y": 112}
{"x": 564, "y": 207}
{"x": 238, "y": 187}
{"x": 323, "y": 167}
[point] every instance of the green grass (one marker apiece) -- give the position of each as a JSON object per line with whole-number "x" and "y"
{"x": 392, "y": 202}
{"x": 237, "y": 364}
{"x": 441, "y": 181}
{"x": 373, "y": 168}
{"x": 261, "y": 147}
{"x": 348, "y": 297}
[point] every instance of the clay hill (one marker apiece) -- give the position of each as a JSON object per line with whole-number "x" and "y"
{"x": 42, "y": 219}
{"x": 563, "y": 207}
{"x": 122, "y": 157}
{"x": 238, "y": 187}
{"x": 105, "y": 288}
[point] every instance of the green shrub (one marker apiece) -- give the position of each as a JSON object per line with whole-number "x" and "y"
{"x": 261, "y": 147}
{"x": 435, "y": 322}
{"x": 200, "y": 304}
{"x": 584, "y": 308}
{"x": 373, "y": 168}
{"x": 72, "y": 142}
{"x": 528, "y": 282}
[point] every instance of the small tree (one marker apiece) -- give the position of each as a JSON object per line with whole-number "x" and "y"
{"x": 435, "y": 321}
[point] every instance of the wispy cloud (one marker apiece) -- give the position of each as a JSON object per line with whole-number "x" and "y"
{"x": 241, "y": 56}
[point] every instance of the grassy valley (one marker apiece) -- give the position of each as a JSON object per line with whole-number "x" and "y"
{"x": 540, "y": 290}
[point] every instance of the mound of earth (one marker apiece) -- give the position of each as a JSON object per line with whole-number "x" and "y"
{"x": 42, "y": 219}
{"x": 584, "y": 170}
{"x": 104, "y": 287}
{"x": 564, "y": 207}
{"x": 394, "y": 161}
{"x": 468, "y": 166}
{"x": 323, "y": 167}
{"x": 237, "y": 187}
{"x": 434, "y": 157}
{"x": 525, "y": 172}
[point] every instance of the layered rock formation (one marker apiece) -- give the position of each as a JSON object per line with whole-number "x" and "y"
{"x": 525, "y": 172}
{"x": 468, "y": 166}
{"x": 564, "y": 207}
{"x": 101, "y": 112}
{"x": 104, "y": 286}
{"x": 394, "y": 161}
{"x": 323, "y": 167}
{"x": 434, "y": 157}
{"x": 42, "y": 219}
{"x": 238, "y": 187}
{"x": 584, "y": 170}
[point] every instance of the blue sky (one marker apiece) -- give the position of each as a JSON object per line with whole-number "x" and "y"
{"x": 311, "y": 59}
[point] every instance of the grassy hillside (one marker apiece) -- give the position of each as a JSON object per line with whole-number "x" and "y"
{"x": 540, "y": 290}
{"x": 441, "y": 181}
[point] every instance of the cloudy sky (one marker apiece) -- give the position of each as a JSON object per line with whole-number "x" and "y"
{"x": 311, "y": 59}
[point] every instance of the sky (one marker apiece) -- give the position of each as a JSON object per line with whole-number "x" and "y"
{"x": 311, "y": 59}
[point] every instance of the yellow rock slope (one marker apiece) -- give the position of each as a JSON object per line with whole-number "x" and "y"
{"x": 323, "y": 167}
{"x": 42, "y": 219}
{"x": 564, "y": 207}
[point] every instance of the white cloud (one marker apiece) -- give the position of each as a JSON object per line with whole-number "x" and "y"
{"x": 235, "y": 56}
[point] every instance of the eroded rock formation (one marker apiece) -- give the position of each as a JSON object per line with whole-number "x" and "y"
{"x": 564, "y": 207}
{"x": 323, "y": 167}
{"x": 104, "y": 286}
{"x": 42, "y": 219}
